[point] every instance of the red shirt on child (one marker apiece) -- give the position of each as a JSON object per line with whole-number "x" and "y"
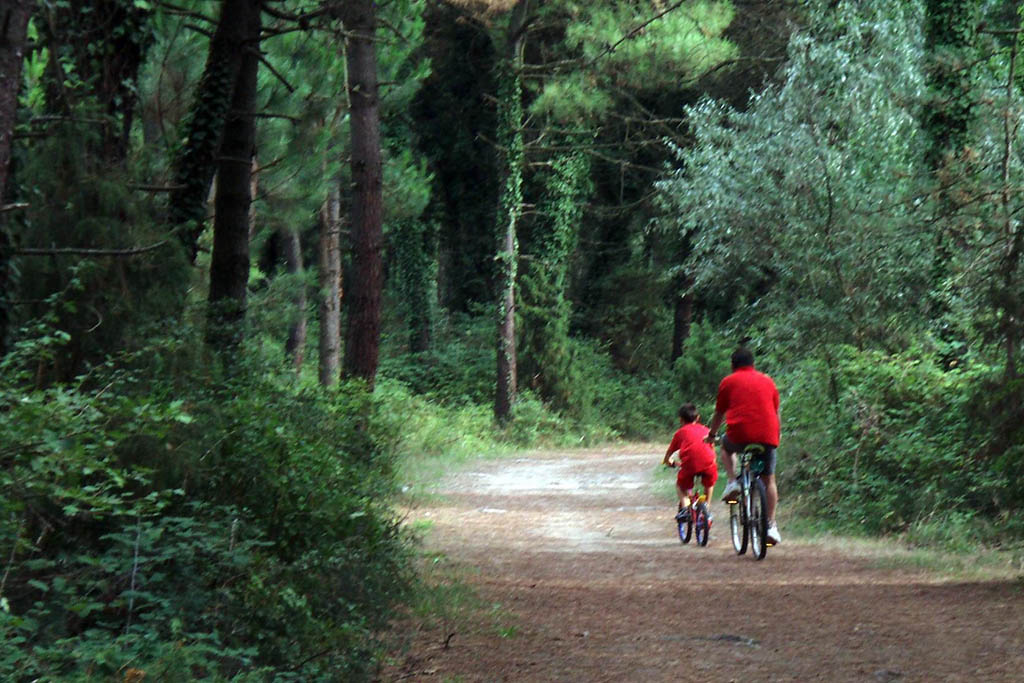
{"x": 689, "y": 441}
{"x": 695, "y": 456}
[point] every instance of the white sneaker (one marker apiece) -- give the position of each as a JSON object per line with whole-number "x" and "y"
{"x": 731, "y": 492}
{"x": 773, "y": 534}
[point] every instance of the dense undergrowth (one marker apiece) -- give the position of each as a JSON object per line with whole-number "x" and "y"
{"x": 898, "y": 444}
{"x": 192, "y": 526}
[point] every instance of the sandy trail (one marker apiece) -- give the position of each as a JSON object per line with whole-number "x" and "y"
{"x": 579, "y": 551}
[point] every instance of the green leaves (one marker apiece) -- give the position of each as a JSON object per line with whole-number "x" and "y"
{"x": 800, "y": 206}
{"x": 140, "y": 506}
{"x": 611, "y": 48}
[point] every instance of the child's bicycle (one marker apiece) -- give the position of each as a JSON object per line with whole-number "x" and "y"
{"x": 698, "y": 521}
{"x": 748, "y": 514}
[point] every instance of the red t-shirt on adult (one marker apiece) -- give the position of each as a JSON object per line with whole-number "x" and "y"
{"x": 750, "y": 403}
{"x": 689, "y": 441}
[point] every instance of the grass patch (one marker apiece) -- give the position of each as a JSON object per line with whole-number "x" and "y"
{"x": 955, "y": 545}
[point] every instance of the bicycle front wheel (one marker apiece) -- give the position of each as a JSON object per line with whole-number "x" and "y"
{"x": 758, "y": 522}
{"x": 738, "y": 524}
{"x": 702, "y": 526}
{"x": 686, "y": 529}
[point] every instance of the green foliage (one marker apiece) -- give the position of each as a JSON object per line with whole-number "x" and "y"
{"x": 77, "y": 203}
{"x": 188, "y": 529}
{"x": 564, "y": 99}
{"x": 632, "y": 318}
{"x": 457, "y": 370}
{"x": 949, "y": 29}
{"x": 800, "y": 207}
{"x": 415, "y": 254}
{"x": 702, "y": 365}
{"x": 454, "y": 134}
{"x": 625, "y": 46}
{"x": 416, "y": 428}
{"x": 883, "y": 441}
{"x": 510, "y": 137}
{"x": 440, "y": 398}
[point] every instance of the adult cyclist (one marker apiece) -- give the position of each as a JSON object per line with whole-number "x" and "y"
{"x": 748, "y": 403}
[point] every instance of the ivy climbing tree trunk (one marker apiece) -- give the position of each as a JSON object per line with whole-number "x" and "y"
{"x": 196, "y": 162}
{"x": 104, "y": 43}
{"x": 229, "y": 264}
{"x": 329, "y": 254}
{"x": 545, "y": 307}
{"x": 511, "y": 158}
{"x": 13, "y": 28}
{"x": 362, "y": 340}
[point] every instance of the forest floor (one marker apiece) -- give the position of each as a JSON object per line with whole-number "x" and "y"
{"x": 579, "y": 576}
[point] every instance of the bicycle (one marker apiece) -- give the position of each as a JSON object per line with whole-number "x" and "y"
{"x": 699, "y": 521}
{"x": 748, "y": 514}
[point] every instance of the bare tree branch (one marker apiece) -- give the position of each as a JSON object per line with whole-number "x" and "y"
{"x": 73, "y": 251}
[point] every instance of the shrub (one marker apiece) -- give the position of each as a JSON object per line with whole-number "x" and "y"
{"x": 882, "y": 440}
{"x": 193, "y": 528}
{"x": 459, "y": 370}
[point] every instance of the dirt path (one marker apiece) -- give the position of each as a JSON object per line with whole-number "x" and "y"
{"x": 579, "y": 550}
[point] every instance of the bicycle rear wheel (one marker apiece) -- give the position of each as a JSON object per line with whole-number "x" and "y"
{"x": 738, "y": 524}
{"x": 702, "y": 526}
{"x": 758, "y": 520}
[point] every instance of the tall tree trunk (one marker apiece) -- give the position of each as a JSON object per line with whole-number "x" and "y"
{"x": 1012, "y": 237}
{"x": 544, "y": 305}
{"x": 416, "y": 275}
{"x": 229, "y": 264}
{"x": 363, "y": 331}
{"x": 510, "y": 138}
{"x": 329, "y": 251}
{"x": 682, "y": 319}
{"x": 196, "y": 162}
{"x": 13, "y": 27}
{"x": 296, "y": 344}
{"x": 949, "y": 31}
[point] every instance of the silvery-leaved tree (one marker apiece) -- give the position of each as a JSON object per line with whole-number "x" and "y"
{"x": 801, "y": 208}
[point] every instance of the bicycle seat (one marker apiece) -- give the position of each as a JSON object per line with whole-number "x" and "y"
{"x": 754, "y": 448}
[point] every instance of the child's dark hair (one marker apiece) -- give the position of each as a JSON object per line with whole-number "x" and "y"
{"x": 688, "y": 412}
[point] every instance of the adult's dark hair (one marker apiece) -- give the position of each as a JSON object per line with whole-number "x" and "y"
{"x": 742, "y": 358}
{"x": 688, "y": 412}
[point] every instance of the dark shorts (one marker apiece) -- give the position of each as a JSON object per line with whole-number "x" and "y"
{"x": 767, "y": 457}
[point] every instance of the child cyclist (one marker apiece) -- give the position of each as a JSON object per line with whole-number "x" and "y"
{"x": 695, "y": 458}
